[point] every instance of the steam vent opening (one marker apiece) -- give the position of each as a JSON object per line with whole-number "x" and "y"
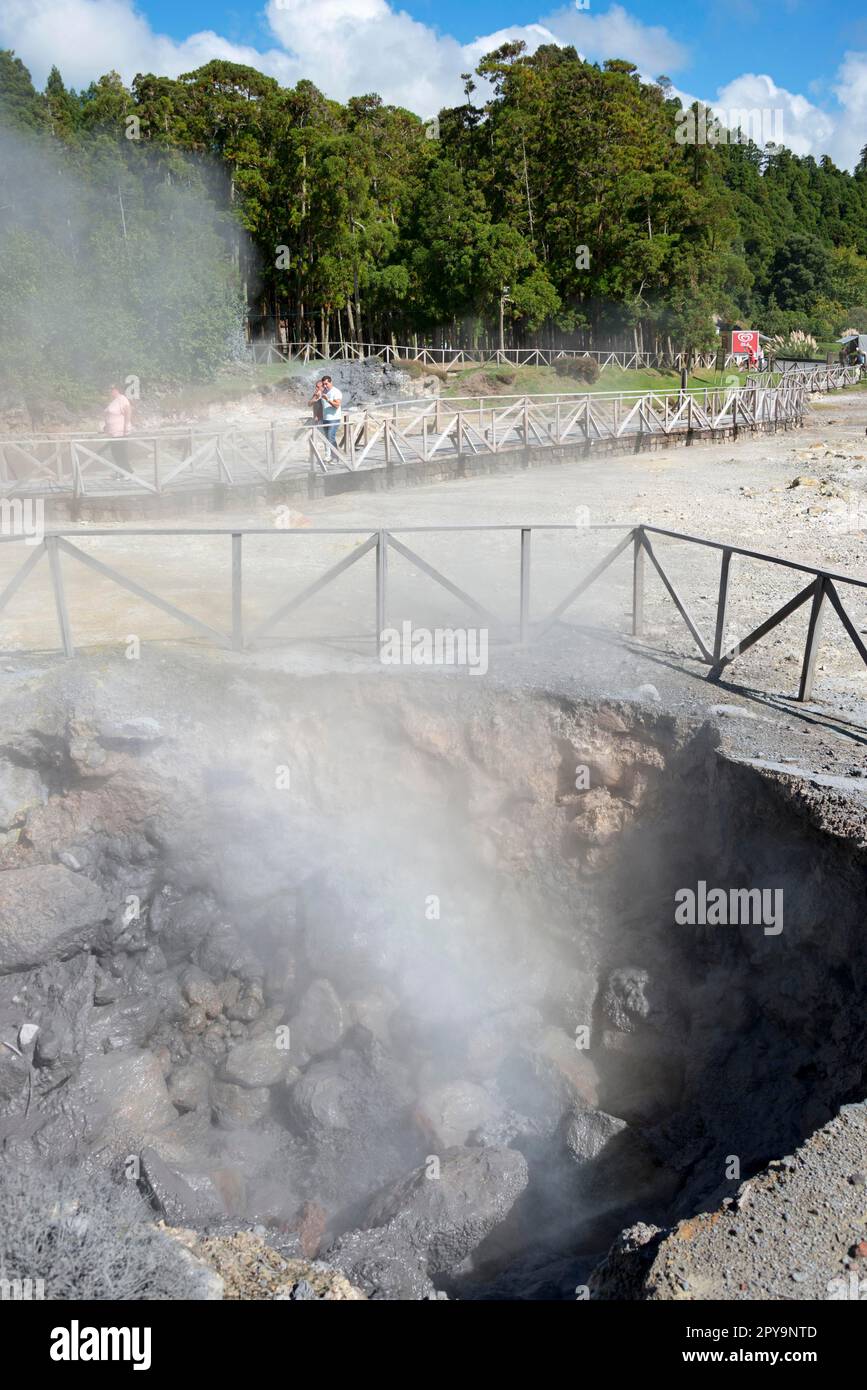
{"x": 436, "y": 991}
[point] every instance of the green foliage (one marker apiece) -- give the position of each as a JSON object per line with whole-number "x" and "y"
{"x": 109, "y": 269}
{"x": 582, "y": 368}
{"x": 556, "y": 196}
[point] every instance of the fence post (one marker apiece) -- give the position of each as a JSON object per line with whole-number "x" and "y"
{"x": 722, "y": 605}
{"x": 814, "y": 633}
{"x": 156, "y": 463}
{"x": 59, "y": 596}
{"x": 638, "y": 582}
{"x": 526, "y": 535}
{"x": 237, "y": 619}
{"x": 381, "y": 584}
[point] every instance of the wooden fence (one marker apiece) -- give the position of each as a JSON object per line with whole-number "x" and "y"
{"x": 273, "y": 351}
{"x": 400, "y": 432}
{"x": 821, "y": 592}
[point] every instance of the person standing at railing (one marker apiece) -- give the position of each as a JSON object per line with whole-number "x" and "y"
{"x": 332, "y": 402}
{"x": 117, "y": 426}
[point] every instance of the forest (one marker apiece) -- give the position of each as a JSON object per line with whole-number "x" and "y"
{"x": 556, "y": 205}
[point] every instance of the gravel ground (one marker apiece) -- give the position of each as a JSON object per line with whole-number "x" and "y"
{"x": 797, "y": 1231}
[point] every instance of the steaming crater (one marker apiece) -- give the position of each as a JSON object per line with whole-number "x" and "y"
{"x": 392, "y": 968}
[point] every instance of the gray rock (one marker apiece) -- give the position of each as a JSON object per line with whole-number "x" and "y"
{"x": 222, "y": 952}
{"x": 126, "y": 733}
{"x": 545, "y": 1077}
{"x": 318, "y": 1025}
{"x": 589, "y": 1132}
{"x": 450, "y": 1113}
{"x": 371, "y": 1011}
{"x": 47, "y": 912}
{"x": 123, "y": 1099}
{"x": 61, "y": 995}
{"x": 170, "y": 1194}
{"x": 189, "y": 1086}
{"x": 182, "y": 921}
{"x": 237, "y": 1107}
{"x": 129, "y": 1022}
{"x": 626, "y": 1000}
{"x": 378, "y": 1263}
{"x": 445, "y": 1219}
{"x": 21, "y": 788}
{"x": 322, "y": 1099}
{"x": 259, "y": 1062}
{"x": 199, "y": 988}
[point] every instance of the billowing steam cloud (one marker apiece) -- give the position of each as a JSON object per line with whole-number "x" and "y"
{"x": 115, "y": 264}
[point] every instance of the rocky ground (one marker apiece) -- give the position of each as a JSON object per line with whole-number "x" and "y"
{"x": 338, "y": 1044}
{"x": 798, "y": 1230}
{"x": 299, "y": 946}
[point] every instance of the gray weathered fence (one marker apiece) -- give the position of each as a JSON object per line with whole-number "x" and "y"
{"x": 821, "y": 592}
{"x": 398, "y": 433}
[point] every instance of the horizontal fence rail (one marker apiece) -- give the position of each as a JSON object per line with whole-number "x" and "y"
{"x": 274, "y": 351}
{"x": 394, "y": 434}
{"x": 821, "y": 592}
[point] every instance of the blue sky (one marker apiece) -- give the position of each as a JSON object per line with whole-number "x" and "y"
{"x": 807, "y": 60}
{"x": 800, "y": 40}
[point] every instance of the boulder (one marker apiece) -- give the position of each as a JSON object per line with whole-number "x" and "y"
{"x": 322, "y": 1099}
{"x": 189, "y": 1086}
{"x": 546, "y": 1077}
{"x": 445, "y": 1218}
{"x": 123, "y": 1099}
{"x": 318, "y": 1025}
{"x": 589, "y": 1132}
{"x": 61, "y": 1001}
{"x": 258, "y": 1062}
{"x": 627, "y": 1000}
{"x": 450, "y": 1113}
{"x": 130, "y": 734}
{"x": 170, "y": 1194}
{"x": 199, "y": 988}
{"x": 21, "y": 788}
{"x": 237, "y": 1107}
{"x": 182, "y": 921}
{"x": 46, "y": 913}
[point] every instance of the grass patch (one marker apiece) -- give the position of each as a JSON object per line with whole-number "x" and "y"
{"x": 528, "y": 381}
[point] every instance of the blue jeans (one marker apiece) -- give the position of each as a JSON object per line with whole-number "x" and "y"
{"x": 331, "y": 433}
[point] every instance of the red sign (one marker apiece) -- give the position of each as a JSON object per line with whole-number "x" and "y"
{"x": 745, "y": 340}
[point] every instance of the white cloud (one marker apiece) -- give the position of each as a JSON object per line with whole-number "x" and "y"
{"x": 851, "y": 92}
{"x": 348, "y": 47}
{"x": 616, "y": 34}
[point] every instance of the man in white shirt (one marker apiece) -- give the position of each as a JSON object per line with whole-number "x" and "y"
{"x": 332, "y": 400}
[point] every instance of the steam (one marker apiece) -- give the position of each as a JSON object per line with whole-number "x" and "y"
{"x": 116, "y": 265}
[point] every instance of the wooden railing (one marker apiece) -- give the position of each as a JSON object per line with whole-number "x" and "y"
{"x": 271, "y": 350}
{"x": 395, "y": 434}
{"x": 821, "y": 592}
